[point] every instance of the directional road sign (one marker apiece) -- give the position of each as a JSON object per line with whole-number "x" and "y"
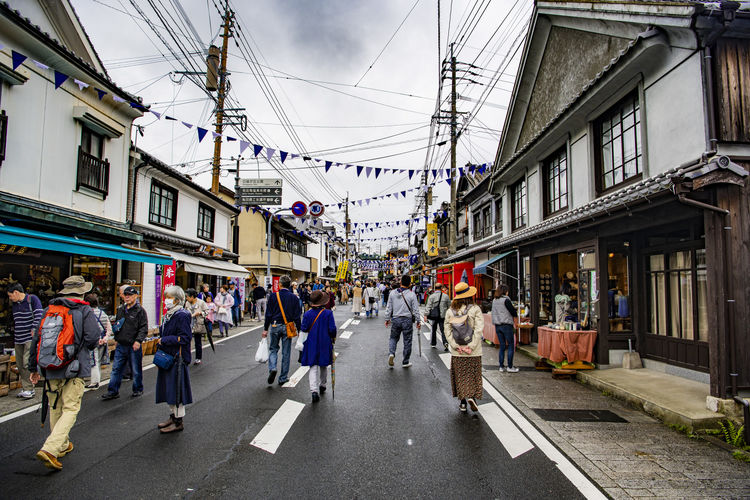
{"x": 316, "y": 209}
{"x": 258, "y": 192}
{"x": 299, "y": 208}
{"x": 262, "y": 183}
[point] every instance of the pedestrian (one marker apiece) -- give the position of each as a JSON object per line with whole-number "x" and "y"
{"x": 283, "y": 308}
{"x": 296, "y": 291}
{"x": 237, "y": 305}
{"x": 344, "y": 293}
{"x": 64, "y": 385}
{"x": 305, "y": 296}
{"x": 464, "y": 324}
{"x": 210, "y": 315}
{"x": 100, "y": 354}
{"x": 317, "y": 285}
{"x": 331, "y": 306}
{"x": 131, "y": 328}
{"x": 370, "y": 297}
{"x": 173, "y": 384}
{"x": 357, "y": 300}
{"x": 318, "y": 348}
{"x": 205, "y": 292}
{"x": 251, "y": 301}
{"x": 224, "y": 302}
{"x": 198, "y": 310}
{"x": 386, "y": 293}
{"x": 27, "y": 313}
{"x": 505, "y": 319}
{"x": 259, "y": 294}
{"x": 403, "y": 312}
{"x": 437, "y": 305}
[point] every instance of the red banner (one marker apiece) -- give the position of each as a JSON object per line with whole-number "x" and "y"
{"x": 276, "y": 286}
{"x": 168, "y": 279}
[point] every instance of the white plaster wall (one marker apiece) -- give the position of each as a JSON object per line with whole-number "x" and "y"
{"x": 579, "y": 173}
{"x": 534, "y": 197}
{"x": 148, "y": 296}
{"x": 300, "y": 263}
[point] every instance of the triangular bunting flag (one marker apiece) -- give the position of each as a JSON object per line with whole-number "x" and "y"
{"x": 377, "y": 172}
{"x": 328, "y": 165}
{"x": 403, "y": 193}
{"x": 229, "y": 139}
{"x": 434, "y": 173}
{"x": 114, "y": 97}
{"x": 201, "y": 133}
{"x": 40, "y": 65}
{"x": 81, "y": 85}
{"x": 215, "y": 135}
{"x": 359, "y": 169}
{"x": 269, "y": 153}
{"x": 283, "y": 155}
{"x": 100, "y": 93}
{"x": 448, "y": 181}
{"x": 411, "y": 174}
{"x": 157, "y": 115}
{"x": 59, "y": 79}
{"x": 188, "y": 125}
{"x": 257, "y": 149}
{"x": 167, "y": 117}
{"x": 18, "y": 59}
{"x": 243, "y": 146}
{"x": 368, "y": 170}
{"x": 460, "y": 172}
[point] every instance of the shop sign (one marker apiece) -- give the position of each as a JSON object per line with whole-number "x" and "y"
{"x": 17, "y": 250}
{"x": 432, "y": 240}
{"x": 168, "y": 279}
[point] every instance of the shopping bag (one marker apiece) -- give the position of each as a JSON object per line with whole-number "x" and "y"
{"x": 301, "y": 338}
{"x": 261, "y": 355}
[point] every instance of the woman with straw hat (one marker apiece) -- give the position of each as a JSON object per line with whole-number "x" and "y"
{"x": 318, "y": 348}
{"x": 464, "y": 324}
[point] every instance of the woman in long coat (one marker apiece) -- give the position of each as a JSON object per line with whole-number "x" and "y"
{"x": 173, "y": 385}
{"x": 371, "y": 306}
{"x": 318, "y": 350}
{"x": 357, "y": 299}
{"x": 224, "y": 302}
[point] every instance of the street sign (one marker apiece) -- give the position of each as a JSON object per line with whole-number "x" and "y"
{"x": 299, "y": 208}
{"x": 432, "y": 240}
{"x": 258, "y": 192}
{"x": 270, "y": 183}
{"x": 316, "y": 209}
{"x": 258, "y": 200}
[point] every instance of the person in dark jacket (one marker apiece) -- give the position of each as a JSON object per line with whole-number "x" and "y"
{"x": 304, "y": 295}
{"x": 259, "y": 295}
{"x": 275, "y": 320}
{"x": 237, "y": 306}
{"x": 173, "y": 385}
{"x": 318, "y": 348}
{"x": 133, "y": 328}
{"x": 65, "y": 386}
{"x": 331, "y": 298}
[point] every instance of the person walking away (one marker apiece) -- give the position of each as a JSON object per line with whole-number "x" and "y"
{"x": 331, "y": 306}
{"x": 198, "y": 310}
{"x": 259, "y": 294}
{"x": 173, "y": 384}
{"x": 403, "y": 312}
{"x": 437, "y": 305}
{"x": 210, "y": 315}
{"x": 464, "y": 324}
{"x": 224, "y": 303}
{"x": 305, "y": 296}
{"x": 386, "y": 292}
{"x": 505, "y": 319}
{"x": 283, "y": 307}
{"x": 237, "y": 305}
{"x": 100, "y": 353}
{"x": 27, "y": 313}
{"x": 132, "y": 332}
{"x": 64, "y": 385}
{"x": 318, "y": 348}
{"x": 357, "y": 299}
{"x": 251, "y": 301}
{"x": 344, "y": 293}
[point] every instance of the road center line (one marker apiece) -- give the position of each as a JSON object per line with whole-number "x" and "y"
{"x": 272, "y": 434}
{"x": 506, "y": 431}
{"x": 346, "y": 323}
{"x": 296, "y": 377}
{"x": 347, "y": 334}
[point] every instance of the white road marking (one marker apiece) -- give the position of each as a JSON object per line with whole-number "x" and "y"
{"x": 346, "y": 335}
{"x": 355, "y": 322}
{"x": 446, "y": 359}
{"x": 506, "y": 431}
{"x": 427, "y": 335}
{"x": 272, "y": 434}
{"x": 346, "y": 323}
{"x": 296, "y": 377}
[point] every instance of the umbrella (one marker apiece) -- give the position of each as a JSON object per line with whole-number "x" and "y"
{"x": 333, "y": 373}
{"x": 180, "y": 375}
{"x": 419, "y": 340}
{"x": 45, "y": 402}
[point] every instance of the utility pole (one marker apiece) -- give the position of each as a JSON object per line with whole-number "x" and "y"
{"x": 453, "y": 224}
{"x": 220, "y": 101}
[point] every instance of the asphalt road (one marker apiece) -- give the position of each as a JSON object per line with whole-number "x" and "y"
{"x": 388, "y": 433}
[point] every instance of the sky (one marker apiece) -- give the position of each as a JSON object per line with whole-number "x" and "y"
{"x": 357, "y": 80}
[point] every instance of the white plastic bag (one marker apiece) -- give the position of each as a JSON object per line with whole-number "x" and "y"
{"x": 261, "y": 355}
{"x": 301, "y": 338}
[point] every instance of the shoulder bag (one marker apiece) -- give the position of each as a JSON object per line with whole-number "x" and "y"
{"x": 291, "y": 328}
{"x": 407, "y": 305}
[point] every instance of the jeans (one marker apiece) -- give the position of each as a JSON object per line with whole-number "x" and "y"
{"x": 401, "y": 325}
{"x": 438, "y": 325}
{"x": 276, "y": 333}
{"x": 224, "y": 327}
{"x": 505, "y": 335}
{"x": 198, "y": 338}
{"x": 236, "y": 315}
{"x": 123, "y": 354}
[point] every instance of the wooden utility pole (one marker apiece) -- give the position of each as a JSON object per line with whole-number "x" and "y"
{"x": 220, "y": 102}
{"x": 453, "y": 223}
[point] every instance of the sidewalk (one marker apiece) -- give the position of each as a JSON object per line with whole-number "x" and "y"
{"x": 11, "y": 403}
{"x": 627, "y": 452}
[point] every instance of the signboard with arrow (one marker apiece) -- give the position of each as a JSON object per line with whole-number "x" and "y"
{"x": 258, "y": 192}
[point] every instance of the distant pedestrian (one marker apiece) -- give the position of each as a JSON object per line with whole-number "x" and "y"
{"x": 357, "y": 300}
{"x": 198, "y": 310}
{"x": 403, "y": 312}
{"x": 283, "y": 307}
{"x": 305, "y": 296}
{"x": 437, "y": 305}
{"x": 65, "y": 385}
{"x": 27, "y": 312}
{"x": 505, "y": 319}
{"x": 317, "y": 285}
{"x": 175, "y": 335}
{"x": 224, "y": 302}
{"x": 331, "y": 306}
{"x": 371, "y": 297}
{"x": 318, "y": 348}
{"x": 100, "y": 354}
{"x": 237, "y": 305}
{"x": 131, "y": 329}
{"x": 386, "y": 292}
{"x": 259, "y": 294}
{"x": 205, "y": 292}
{"x": 464, "y": 324}
{"x": 344, "y": 293}
{"x": 210, "y": 315}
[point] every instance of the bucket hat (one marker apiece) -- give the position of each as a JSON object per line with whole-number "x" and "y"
{"x": 318, "y": 298}
{"x": 76, "y": 285}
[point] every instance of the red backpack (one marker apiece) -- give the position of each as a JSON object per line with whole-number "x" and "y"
{"x": 57, "y": 346}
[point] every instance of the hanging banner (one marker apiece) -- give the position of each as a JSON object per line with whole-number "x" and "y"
{"x": 168, "y": 279}
{"x": 432, "y": 240}
{"x": 276, "y": 286}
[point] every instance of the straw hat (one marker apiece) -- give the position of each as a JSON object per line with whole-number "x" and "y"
{"x": 76, "y": 285}
{"x": 318, "y": 299}
{"x": 464, "y": 291}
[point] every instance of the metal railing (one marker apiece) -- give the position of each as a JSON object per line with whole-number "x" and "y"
{"x": 93, "y": 172}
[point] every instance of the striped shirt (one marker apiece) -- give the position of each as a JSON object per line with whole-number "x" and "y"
{"x": 26, "y": 317}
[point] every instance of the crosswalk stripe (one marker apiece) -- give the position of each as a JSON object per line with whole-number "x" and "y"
{"x": 506, "y": 431}
{"x": 272, "y": 434}
{"x": 346, "y": 323}
{"x": 296, "y": 377}
{"x": 446, "y": 359}
{"x": 346, "y": 334}
{"x": 356, "y": 322}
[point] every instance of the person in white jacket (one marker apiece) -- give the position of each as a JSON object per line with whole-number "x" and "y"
{"x": 224, "y": 302}
{"x": 371, "y": 296}
{"x": 403, "y": 308}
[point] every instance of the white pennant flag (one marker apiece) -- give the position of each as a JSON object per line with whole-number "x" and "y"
{"x": 81, "y": 85}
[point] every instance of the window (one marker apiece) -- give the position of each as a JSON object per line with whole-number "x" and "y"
{"x": 92, "y": 143}
{"x": 499, "y": 216}
{"x": 162, "y": 209}
{"x": 555, "y": 170}
{"x": 618, "y": 134}
{"x": 477, "y": 225}
{"x": 93, "y": 168}
{"x": 206, "y": 217}
{"x": 487, "y": 221}
{"x": 518, "y": 204}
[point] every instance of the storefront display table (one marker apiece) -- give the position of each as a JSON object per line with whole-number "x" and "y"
{"x": 573, "y": 346}
{"x": 524, "y": 336}
{"x": 490, "y": 335}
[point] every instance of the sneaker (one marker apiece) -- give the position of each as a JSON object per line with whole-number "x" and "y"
{"x": 50, "y": 461}
{"x": 406, "y": 365}
{"x": 110, "y": 395}
{"x": 315, "y": 397}
{"x": 92, "y": 386}
{"x": 472, "y": 404}
{"x": 197, "y": 362}
{"x": 512, "y": 369}
{"x": 390, "y": 360}
{"x": 322, "y": 389}
{"x": 26, "y": 395}
{"x": 136, "y": 394}
{"x": 271, "y": 376}
{"x": 502, "y": 368}
{"x": 434, "y": 346}
{"x": 462, "y": 406}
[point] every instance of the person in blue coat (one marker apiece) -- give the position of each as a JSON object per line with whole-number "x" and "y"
{"x": 318, "y": 348}
{"x": 173, "y": 385}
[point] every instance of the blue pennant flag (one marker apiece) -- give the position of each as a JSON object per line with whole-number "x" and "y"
{"x": 377, "y": 172}
{"x": 434, "y": 173}
{"x": 403, "y": 193}
{"x": 18, "y": 59}
{"x": 359, "y": 169}
{"x": 411, "y": 174}
{"x": 257, "y": 149}
{"x": 101, "y": 93}
{"x": 448, "y": 181}
{"x": 59, "y": 79}
{"x": 460, "y": 172}
{"x": 283, "y": 155}
{"x": 229, "y": 139}
{"x": 201, "y": 133}
{"x": 339, "y": 206}
{"x": 328, "y": 165}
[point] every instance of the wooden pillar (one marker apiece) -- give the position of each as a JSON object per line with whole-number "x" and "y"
{"x": 602, "y": 275}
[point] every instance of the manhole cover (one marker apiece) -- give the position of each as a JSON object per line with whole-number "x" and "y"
{"x": 557, "y": 415}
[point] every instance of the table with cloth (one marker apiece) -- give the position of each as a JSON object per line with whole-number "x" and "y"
{"x": 566, "y": 345}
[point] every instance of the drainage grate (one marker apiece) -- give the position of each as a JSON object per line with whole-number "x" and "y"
{"x": 494, "y": 368}
{"x": 557, "y": 415}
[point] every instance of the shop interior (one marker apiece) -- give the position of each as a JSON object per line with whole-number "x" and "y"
{"x": 558, "y": 288}
{"x": 618, "y": 292}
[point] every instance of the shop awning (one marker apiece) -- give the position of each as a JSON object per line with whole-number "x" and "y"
{"x": 482, "y": 268}
{"x": 10, "y": 235}
{"x": 212, "y": 267}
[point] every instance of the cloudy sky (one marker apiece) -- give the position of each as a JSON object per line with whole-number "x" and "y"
{"x": 356, "y": 80}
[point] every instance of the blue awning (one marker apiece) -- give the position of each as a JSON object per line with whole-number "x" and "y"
{"x": 47, "y": 241}
{"x": 482, "y": 268}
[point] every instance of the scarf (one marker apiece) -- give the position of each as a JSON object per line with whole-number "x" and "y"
{"x": 171, "y": 312}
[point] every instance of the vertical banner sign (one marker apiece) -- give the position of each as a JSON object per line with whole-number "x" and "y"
{"x": 276, "y": 286}
{"x": 346, "y": 270}
{"x": 240, "y": 284}
{"x": 432, "y": 240}
{"x": 168, "y": 280}
{"x": 157, "y": 291}
{"x": 339, "y": 271}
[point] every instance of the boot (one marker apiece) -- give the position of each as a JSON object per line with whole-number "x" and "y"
{"x": 167, "y": 422}
{"x": 175, "y": 426}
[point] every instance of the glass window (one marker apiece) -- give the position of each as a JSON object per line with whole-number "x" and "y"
{"x": 99, "y": 272}
{"x": 92, "y": 143}
{"x": 163, "y": 205}
{"x": 477, "y": 225}
{"x": 618, "y": 293}
{"x": 487, "y": 220}
{"x": 499, "y": 216}
{"x": 620, "y": 152}
{"x": 556, "y": 182}
{"x": 519, "y": 203}
{"x": 206, "y": 216}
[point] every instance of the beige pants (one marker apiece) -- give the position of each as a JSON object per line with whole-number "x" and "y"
{"x": 23, "y": 351}
{"x": 63, "y": 417}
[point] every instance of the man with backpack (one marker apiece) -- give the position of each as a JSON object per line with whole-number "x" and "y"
{"x": 437, "y": 305}
{"x": 27, "y": 312}
{"x": 403, "y": 312}
{"x": 68, "y": 326}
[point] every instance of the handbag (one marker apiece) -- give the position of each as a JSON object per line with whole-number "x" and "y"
{"x": 163, "y": 360}
{"x": 291, "y": 327}
{"x": 302, "y": 338}
{"x": 222, "y": 310}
